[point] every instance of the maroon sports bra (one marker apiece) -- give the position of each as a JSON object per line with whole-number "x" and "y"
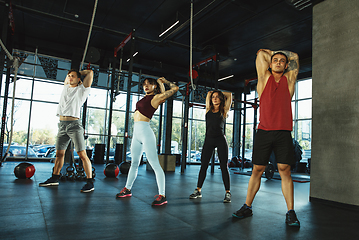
{"x": 144, "y": 106}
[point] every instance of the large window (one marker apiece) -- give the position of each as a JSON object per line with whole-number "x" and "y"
{"x": 302, "y": 117}
{"x": 250, "y": 124}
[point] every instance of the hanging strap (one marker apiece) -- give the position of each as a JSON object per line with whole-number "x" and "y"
{"x": 190, "y": 47}
{"x": 88, "y": 37}
{"x": 15, "y": 65}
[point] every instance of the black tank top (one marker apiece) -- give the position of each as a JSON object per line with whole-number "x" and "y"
{"x": 214, "y": 124}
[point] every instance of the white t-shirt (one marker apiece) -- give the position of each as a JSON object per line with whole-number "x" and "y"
{"x": 71, "y": 100}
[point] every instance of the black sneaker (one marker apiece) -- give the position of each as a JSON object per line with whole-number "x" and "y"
{"x": 89, "y": 187}
{"x": 195, "y": 194}
{"x": 124, "y": 193}
{"x": 227, "y": 197}
{"x": 49, "y": 182}
{"x": 160, "y": 200}
{"x": 291, "y": 219}
{"x": 244, "y": 212}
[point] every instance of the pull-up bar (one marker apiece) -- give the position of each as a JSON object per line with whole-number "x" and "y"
{"x": 122, "y": 44}
{"x": 247, "y": 81}
{"x": 197, "y": 104}
{"x": 213, "y": 58}
{"x": 194, "y": 72}
{"x": 254, "y": 105}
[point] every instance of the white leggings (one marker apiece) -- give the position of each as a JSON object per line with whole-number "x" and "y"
{"x": 144, "y": 139}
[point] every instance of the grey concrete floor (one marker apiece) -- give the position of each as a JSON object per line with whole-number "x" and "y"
{"x": 32, "y": 212}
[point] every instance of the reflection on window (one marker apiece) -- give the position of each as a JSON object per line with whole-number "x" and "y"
{"x": 230, "y": 115}
{"x": 302, "y": 130}
{"x": 305, "y": 109}
{"x": 176, "y": 134}
{"x": 97, "y": 98}
{"x": 304, "y": 89}
{"x": 44, "y": 111}
{"x": 20, "y": 127}
{"x": 96, "y": 121}
{"x": 304, "y": 136}
{"x": 199, "y": 113}
{"x": 47, "y": 91}
{"x": 177, "y": 108}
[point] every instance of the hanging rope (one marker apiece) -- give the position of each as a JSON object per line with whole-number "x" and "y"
{"x": 88, "y": 37}
{"x": 190, "y": 47}
{"x": 15, "y": 65}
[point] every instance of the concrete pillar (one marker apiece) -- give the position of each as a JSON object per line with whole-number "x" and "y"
{"x": 335, "y": 144}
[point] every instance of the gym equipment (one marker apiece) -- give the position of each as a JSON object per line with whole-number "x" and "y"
{"x": 118, "y": 153}
{"x": 125, "y": 167}
{"x": 231, "y": 164}
{"x": 93, "y": 173}
{"x": 70, "y": 173}
{"x": 236, "y": 161}
{"x": 247, "y": 163}
{"x": 24, "y": 170}
{"x": 99, "y": 153}
{"x": 111, "y": 170}
{"x": 269, "y": 171}
{"x": 63, "y": 177}
{"x": 80, "y": 174}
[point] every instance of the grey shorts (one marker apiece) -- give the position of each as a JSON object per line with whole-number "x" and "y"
{"x": 70, "y": 130}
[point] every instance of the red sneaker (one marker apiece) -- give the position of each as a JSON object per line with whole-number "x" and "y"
{"x": 160, "y": 200}
{"x": 124, "y": 193}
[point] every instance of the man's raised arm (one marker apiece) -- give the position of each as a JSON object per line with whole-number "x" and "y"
{"x": 262, "y": 62}
{"x": 293, "y": 65}
{"x": 87, "y": 82}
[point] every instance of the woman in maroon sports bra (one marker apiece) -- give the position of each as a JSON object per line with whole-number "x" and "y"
{"x": 144, "y": 139}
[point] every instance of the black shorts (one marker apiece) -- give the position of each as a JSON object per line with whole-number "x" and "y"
{"x": 280, "y": 142}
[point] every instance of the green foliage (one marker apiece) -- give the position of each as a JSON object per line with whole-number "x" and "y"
{"x": 42, "y": 136}
{"x": 20, "y": 137}
{"x": 37, "y": 136}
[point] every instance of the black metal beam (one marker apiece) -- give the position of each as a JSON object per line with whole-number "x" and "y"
{"x": 128, "y": 98}
{"x": 185, "y": 129}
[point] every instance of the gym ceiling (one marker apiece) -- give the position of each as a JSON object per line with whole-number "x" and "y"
{"x": 235, "y": 29}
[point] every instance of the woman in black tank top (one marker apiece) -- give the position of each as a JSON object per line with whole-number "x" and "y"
{"x": 217, "y": 106}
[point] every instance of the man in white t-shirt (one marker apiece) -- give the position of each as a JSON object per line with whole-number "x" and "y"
{"x": 72, "y": 98}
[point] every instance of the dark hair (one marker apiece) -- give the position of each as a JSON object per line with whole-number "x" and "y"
{"x": 280, "y": 53}
{"x": 221, "y": 105}
{"x": 76, "y": 71}
{"x": 153, "y": 81}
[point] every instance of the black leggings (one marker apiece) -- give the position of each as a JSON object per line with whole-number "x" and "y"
{"x": 210, "y": 143}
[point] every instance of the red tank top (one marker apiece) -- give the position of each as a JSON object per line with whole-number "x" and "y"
{"x": 144, "y": 106}
{"x": 275, "y": 107}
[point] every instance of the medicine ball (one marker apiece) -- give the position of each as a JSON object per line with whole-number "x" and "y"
{"x": 111, "y": 170}
{"x": 24, "y": 170}
{"x": 125, "y": 167}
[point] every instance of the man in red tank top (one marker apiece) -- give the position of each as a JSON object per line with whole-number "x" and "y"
{"x": 275, "y": 90}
